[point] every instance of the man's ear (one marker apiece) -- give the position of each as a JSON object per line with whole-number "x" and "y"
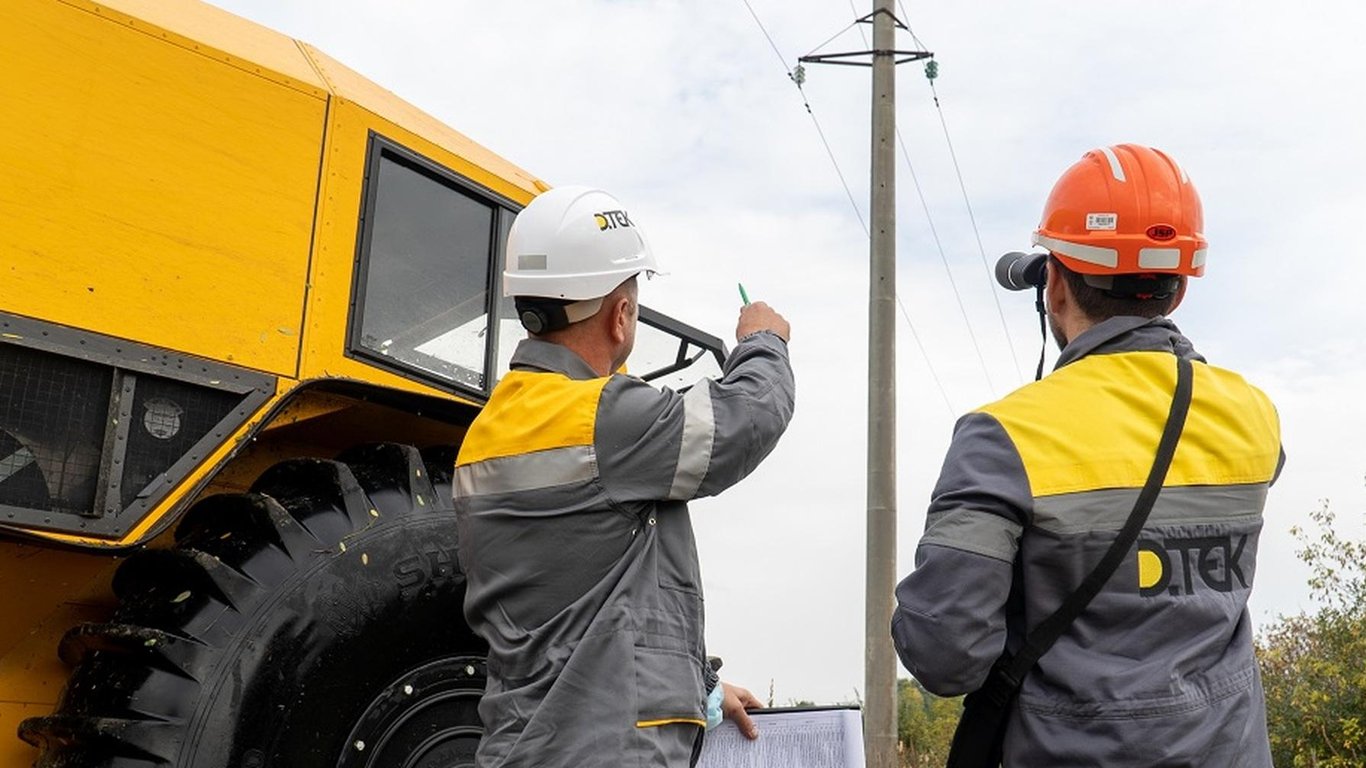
{"x": 1180, "y": 294}
{"x": 620, "y": 319}
{"x": 1056, "y": 295}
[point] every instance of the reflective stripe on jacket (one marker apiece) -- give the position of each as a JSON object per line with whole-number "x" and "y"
{"x": 1159, "y": 669}
{"x": 578, "y": 551}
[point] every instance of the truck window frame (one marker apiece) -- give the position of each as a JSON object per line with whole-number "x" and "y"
{"x": 378, "y": 150}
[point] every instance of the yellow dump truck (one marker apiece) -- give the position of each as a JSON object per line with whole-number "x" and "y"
{"x": 248, "y": 304}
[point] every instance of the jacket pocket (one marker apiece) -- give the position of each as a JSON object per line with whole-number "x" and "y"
{"x": 668, "y": 688}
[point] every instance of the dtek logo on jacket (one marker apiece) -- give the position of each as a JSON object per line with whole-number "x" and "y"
{"x": 1216, "y": 560}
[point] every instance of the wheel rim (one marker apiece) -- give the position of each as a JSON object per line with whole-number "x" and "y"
{"x": 427, "y": 718}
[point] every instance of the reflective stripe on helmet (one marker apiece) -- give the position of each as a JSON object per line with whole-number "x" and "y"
{"x": 1115, "y": 167}
{"x": 1159, "y": 258}
{"x": 1104, "y": 257}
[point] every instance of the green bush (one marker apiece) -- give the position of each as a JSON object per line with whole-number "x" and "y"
{"x": 924, "y": 725}
{"x": 1314, "y": 664}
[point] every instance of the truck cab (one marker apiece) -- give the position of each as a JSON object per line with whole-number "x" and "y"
{"x": 249, "y": 302}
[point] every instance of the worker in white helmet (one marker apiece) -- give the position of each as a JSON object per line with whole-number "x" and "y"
{"x": 571, "y": 493}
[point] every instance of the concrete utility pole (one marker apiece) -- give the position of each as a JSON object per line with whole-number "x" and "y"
{"x": 879, "y": 669}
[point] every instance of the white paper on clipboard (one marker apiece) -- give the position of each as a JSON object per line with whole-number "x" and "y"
{"x": 793, "y": 738}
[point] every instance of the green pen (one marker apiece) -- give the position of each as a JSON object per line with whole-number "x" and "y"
{"x": 743, "y": 296}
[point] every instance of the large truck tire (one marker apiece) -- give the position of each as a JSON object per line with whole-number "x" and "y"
{"x": 315, "y": 621}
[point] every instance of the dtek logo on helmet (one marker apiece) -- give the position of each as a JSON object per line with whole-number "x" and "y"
{"x": 1215, "y": 559}
{"x": 612, "y": 219}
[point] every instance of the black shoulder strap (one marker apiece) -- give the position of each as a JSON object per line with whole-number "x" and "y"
{"x": 1050, "y": 629}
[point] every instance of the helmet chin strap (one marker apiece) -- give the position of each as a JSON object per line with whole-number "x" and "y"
{"x": 1043, "y": 328}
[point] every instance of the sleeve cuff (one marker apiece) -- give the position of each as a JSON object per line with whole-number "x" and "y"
{"x": 749, "y": 336}
{"x": 714, "y": 699}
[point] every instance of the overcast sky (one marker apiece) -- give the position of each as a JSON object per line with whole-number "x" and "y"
{"x": 685, "y": 112}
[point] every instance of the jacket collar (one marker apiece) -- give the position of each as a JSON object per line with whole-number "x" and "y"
{"x": 1129, "y": 334}
{"x": 537, "y": 355}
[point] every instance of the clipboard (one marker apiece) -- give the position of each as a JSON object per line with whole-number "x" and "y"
{"x": 789, "y": 737}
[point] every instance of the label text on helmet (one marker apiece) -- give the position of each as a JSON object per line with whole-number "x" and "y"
{"x": 1096, "y": 221}
{"x": 612, "y": 219}
{"x": 1161, "y": 232}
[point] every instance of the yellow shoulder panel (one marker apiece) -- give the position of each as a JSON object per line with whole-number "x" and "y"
{"x": 531, "y": 411}
{"x": 1096, "y": 423}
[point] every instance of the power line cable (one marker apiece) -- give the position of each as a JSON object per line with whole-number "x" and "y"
{"x": 768, "y": 37}
{"x": 982, "y": 251}
{"x": 928, "y": 365}
{"x": 958, "y": 296}
{"x": 838, "y": 172}
{"x": 972, "y": 218}
{"x": 934, "y": 233}
{"x": 910, "y": 31}
{"x": 796, "y": 79}
{"x": 832, "y": 38}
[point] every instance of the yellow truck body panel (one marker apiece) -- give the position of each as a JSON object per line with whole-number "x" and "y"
{"x": 87, "y": 142}
{"x": 182, "y": 177}
{"x": 192, "y": 182}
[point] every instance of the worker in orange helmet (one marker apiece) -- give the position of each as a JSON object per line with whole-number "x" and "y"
{"x": 1091, "y": 542}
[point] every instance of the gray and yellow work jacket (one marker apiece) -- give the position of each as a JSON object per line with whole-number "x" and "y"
{"x": 1159, "y": 669}
{"x": 570, "y": 496}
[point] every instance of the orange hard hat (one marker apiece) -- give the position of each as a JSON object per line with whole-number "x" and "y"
{"x": 1123, "y": 210}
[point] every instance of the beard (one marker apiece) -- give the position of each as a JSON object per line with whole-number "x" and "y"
{"x": 1058, "y": 335}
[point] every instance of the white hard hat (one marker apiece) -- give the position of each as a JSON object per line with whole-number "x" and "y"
{"x": 573, "y": 243}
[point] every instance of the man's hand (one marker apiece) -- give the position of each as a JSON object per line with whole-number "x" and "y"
{"x": 761, "y": 317}
{"x": 737, "y": 700}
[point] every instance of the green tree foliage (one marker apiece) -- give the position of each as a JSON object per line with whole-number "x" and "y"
{"x": 924, "y": 725}
{"x": 1314, "y": 665}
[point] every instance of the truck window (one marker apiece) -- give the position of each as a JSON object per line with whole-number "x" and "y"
{"x": 430, "y": 274}
{"x": 426, "y": 250}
